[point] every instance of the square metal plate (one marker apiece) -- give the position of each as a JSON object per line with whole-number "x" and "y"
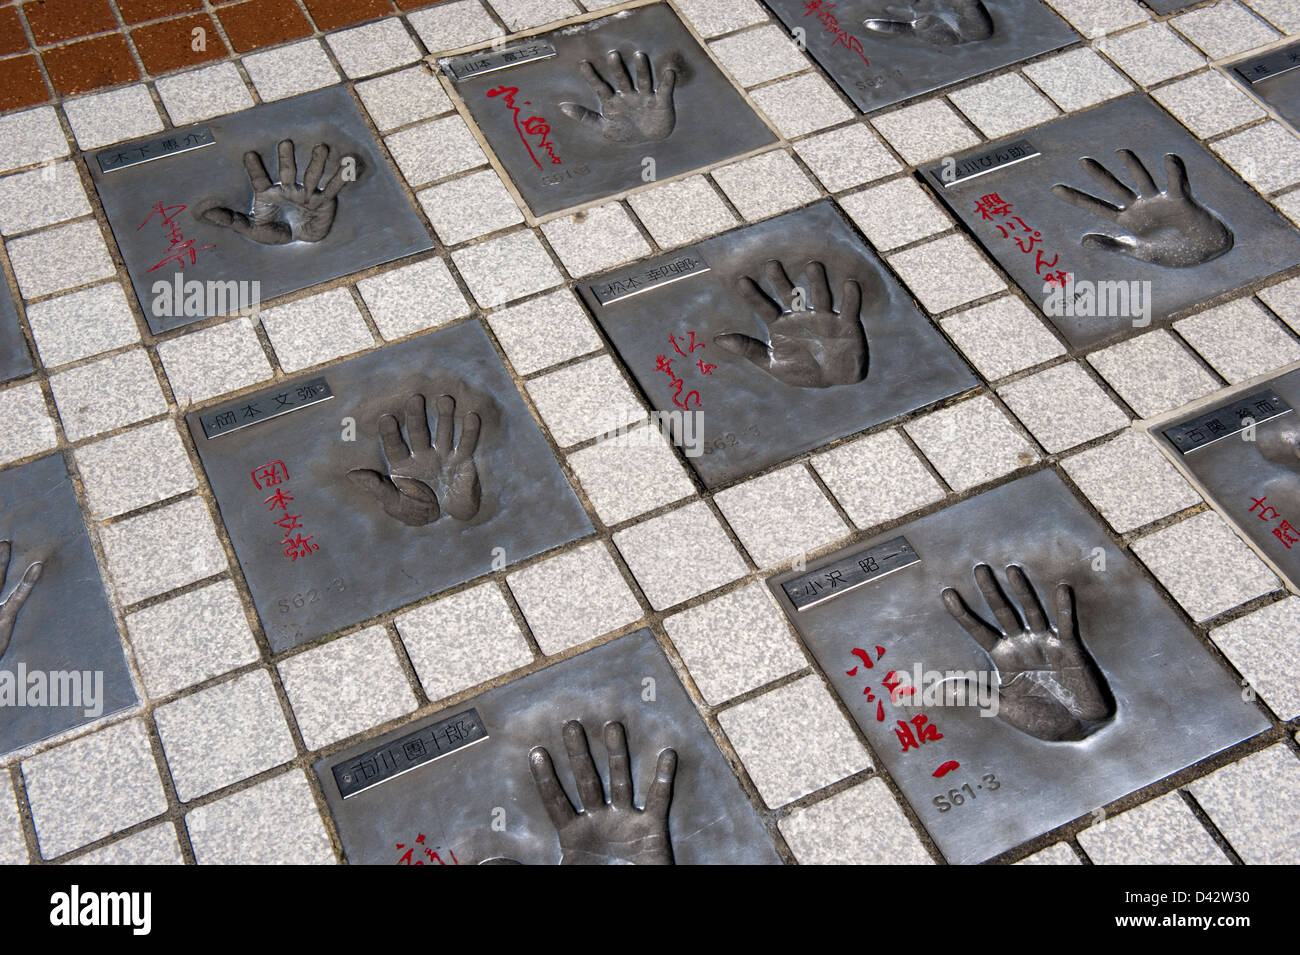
{"x": 1162, "y": 7}
{"x": 1252, "y": 475}
{"x": 154, "y": 189}
{"x": 907, "y": 53}
{"x": 1003, "y": 192}
{"x": 64, "y": 638}
{"x": 460, "y": 780}
{"x": 15, "y": 361}
{"x": 305, "y": 435}
{"x": 556, "y": 160}
{"x": 1173, "y": 704}
{"x": 671, "y": 308}
{"x": 1275, "y": 78}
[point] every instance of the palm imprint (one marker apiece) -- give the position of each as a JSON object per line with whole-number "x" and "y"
{"x": 937, "y": 22}
{"x": 629, "y": 112}
{"x": 10, "y": 606}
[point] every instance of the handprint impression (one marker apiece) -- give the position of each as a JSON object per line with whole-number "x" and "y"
{"x": 287, "y": 210}
{"x": 938, "y": 22}
{"x": 629, "y": 113}
{"x": 10, "y": 606}
{"x": 428, "y": 470}
{"x": 808, "y": 348}
{"x": 1166, "y": 227}
{"x": 1049, "y": 686}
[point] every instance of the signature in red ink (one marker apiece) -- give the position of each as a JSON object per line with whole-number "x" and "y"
{"x": 831, "y": 23}
{"x": 532, "y": 126}
{"x": 180, "y": 246}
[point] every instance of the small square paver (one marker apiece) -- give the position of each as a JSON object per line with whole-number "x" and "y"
{"x": 90, "y": 788}
{"x": 1095, "y": 18}
{"x": 435, "y": 150}
{"x": 765, "y": 185}
{"x": 847, "y": 157}
{"x": 273, "y": 823}
{"x": 1077, "y": 79}
{"x": 450, "y": 26}
{"x": 1152, "y": 54}
{"x": 946, "y": 273}
{"x": 13, "y": 847}
{"x": 161, "y": 550}
{"x": 971, "y": 442}
{"x": 1154, "y": 373}
{"x": 411, "y": 298}
{"x": 525, "y": 14}
{"x": 1283, "y": 14}
{"x": 735, "y": 644}
{"x": 106, "y": 394}
{"x": 1289, "y": 206}
{"x": 346, "y": 687}
{"x": 28, "y": 428}
{"x": 463, "y": 640}
{"x": 138, "y": 467}
{"x": 156, "y": 845}
{"x": 1002, "y": 337}
{"x": 877, "y": 478}
{"x": 630, "y": 474}
{"x": 223, "y": 734}
{"x": 801, "y": 105}
{"x": 1161, "y": 832}
{"x": 756, "y": 56}
{"x": 1130, "y": 482}
{"x": 40, "y": 197}
{"x": 1267, "y": 156}
{"x": 584, "y": 401}
{"x": 213, "y": 361}
{"x": 373, "y": 48}
{"x": 562, "y": 615}
{"x": 793, "y": 741}
{"x": 1002, "y": 105}
{"x": 316, "y": 329}
{"x": 1269, "y": 664}
{"x": 403, "y": 97}
{"x": 595, "y": 239}
{"x": 196, "y": 95}
{"x": 925, "y": 130}
{"x": 34, "y": 135}
{"x": 679, "y": 555}
{"x": 191, "y": 638}
{"x": 1224, "y": 29}
{"x": 830, "y": 832}
{"x": 1209, "y": 103}
{"x": 81, "y": 324}
{"x": 1283, "y": 299}
{"x": 715, "y": 17}
{"x": 1253, "y": 804}
{"x": 60, "y": 258}
{"x": 1240, "y": 340}
{"x": 544, "y": 331}
{"x": 103, "y": 118}
{"x": 781, "y": 516}
{"x": 504, "y": 269}
{"x": 895, "y": 213}
{"x": 1062, "y": 407}
{"x": 1059, "y": 854}
{"x": 289, "y": 70}
{"x": 681, "y": 212}
{"x": 1205, "y": 588}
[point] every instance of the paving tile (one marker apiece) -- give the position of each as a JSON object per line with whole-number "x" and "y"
{"x": 793, "y": 741}
{"x": 1204, "y": 588}
{"x": 970, "y": 443}
{"x": 411, "y": 298}
{"x": 596, "y": 239}
{"x": 13, "y": 848}
{"x": 1062, "y": 407}
{"x": 1224, "y": 28}
{"x": 847, "y": 157}
{"x": 525, "y": 14}
{"x": 191, "y": 638}
{"x": 584, "y": 400}
{"x": 175, "y": 44}
{"x": 1152, "y": 54}
{"x": 289, "y": 70}
{"x": 1208, "y": 103}
{"x": 1153, "y": 372}
{"x": 1077, "y": 79}
{"x": 735, "y": 644}
{"x": 1289, "y": 206}
{"x": 1271, "y": 665}
{"x": 1094, "y": 18}
{"x": 261, "y": 23}
{"x": 106, "y": 394}
{"x": 28, "y": 429}
{"x": 877, "y": 478}
{"x": 463, "y": 640}
{"x": 802, "y": 105}
{"x": 1002, "y": 337}
{"x": 435, "y": 150}
{"x": 90, "y": 788}
{"x": 1283, "y": 14}
{"x": 781, "y": 516}
{"x": 679, "y": 555}
{"x": 1253, "y": 804}
{"x": 504, "y": 269}
{"x": 43, "y": 196}
{"x": 765, "y": 185}
{"x": 346, "y": 687}
{"x": 1267, "y": 156}
{"x": 31, "y": 136}
{"x": 449, "y": 26}
{"x": 213, "y": 361}
{"x": 1161, "y": 832}
{"x": 103, "y": 118}
{"x": 138, "y": 11}
{"x": 54, "y": 21}
{"x": 678, "y": 213}
{"x": 1129, "y": 481}
{"x": 562, "y": 615}
{"x": 895, "y": 213}
{"x": 1283, "y": 299}
{"x": 162, "y": 550}
{"x": 830, "y": 832}
{"x": 929, "y": 271}
{"x": 714, "y": 17}
{"x": 273, "y": 823}
{"x": 156, "y": 845}
{"x": 223, "y": 734}
{"x": 373, "y": 48}
{"x": 403, "y": 97}
{"x": 82, "y": 324}
{"x": 469, "y": 207}
{"x": 925, "y": 130}
{"x": 316, "y": 329}
{"x": 544, "y": 331}
{"x": 138, "y": 467}
{"x": 1239, "y": 340}
{"x": 1059, "y": 854}
{"x": 1002, "y": 105}
{"x": 201, "y": 94}
{"x": 60, "y": 258}
{"x": 21, "y": 82}
{"x": 90, "y": 64}
{"x": 756, "y": 56}
{"x": 334, "y": 14}
{"x": 625, "y": 477}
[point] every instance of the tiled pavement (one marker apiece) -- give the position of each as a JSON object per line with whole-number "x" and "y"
{"x": 215, "y": 765}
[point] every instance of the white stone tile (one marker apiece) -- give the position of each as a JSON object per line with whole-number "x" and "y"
{"x": 411, "y": 298}
{"x": 1094, "y": 18}
{"x": 435, "y": 150}
{"x": 316, "y": 329}
{"x": 930, "y": 269}
{"x": 450, "y": 26}
{"x": 1161, "y": 832}
{"x": 831, "y": 831}
{"x": 13, "y": 847}
{"x": 1267, "y": 156}
{"x": 1283, "y": 14}
{"x": 213, "y": 361}
{"x": 106, "y": 394}
{"x": 196, "y": 95}
{"x": 403, "y": 97}
{"x": 584, "y": 400}
{"x": 85, "y": 323}
{"x": 34, "y": 135}
{"x": 627, "y": 476}
{"x": 596, "y": 239}
{"x": 679, "y": 555}
{"x": 1261, "y": 647}
{"x": 161, "y": 550}
{"x": 574, "y": 597}
{"x": 112, "y": 116}
{"x": 504, "y": 269}
{"x": 1077, "y": 79}
{"x": 715, "y": 17}
{"x": 1153, "y": 373}
{"x": 1062, "y": 407}
{"x": 1239, "y": 340}
{"x": 289, "y": 70}
{"x": 1152, "y": 54}
{"x": 1283, "y": 299}
{"x": 1002, "y": 337}
{"x": 1253, "y": 804}
{"x": 28, "y": 428}
{"x": 781, "y": 516}
{"x": 544, "y": 331}
{"x": 802, "y": 104}
{"x": 925, "y": 130}
{"x": 1002, "y": 105}
{"x": 877, "y": 478}
{"x": 1059, "y": 854}
{"x": 1224, "y": 28}
{"x": 1129, "y": 481}
{"x": 681, "y": 212}
{"x": 970, "y": 443}
{"x": 273, "y": 823}
{"x": 468, "y": 207}
{"x": 525, "y": 14}
{"x": 40, "y": 197}
{"x": 756, "y": 56}
{"x": 1208, "y": 103}
{"x": 895, "y": 213}
{"x": 60, "y": 258}
{"x": 847, "y": 157}
{"x": 156, "y": 845}
{"x": 138, "y": 467}
{"x": 766, "y": 184}
{"x": 373, "y": 47}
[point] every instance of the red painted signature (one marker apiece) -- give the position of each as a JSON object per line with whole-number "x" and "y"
{"x": 532, "y": 126}
{"x": 831, "y": 23}
{"x": 180, "y": 247}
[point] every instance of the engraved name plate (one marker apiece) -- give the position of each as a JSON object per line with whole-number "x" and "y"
{"x": 1275, "y": 63}
{"x": 410, "y": 752}
{"x": 132, "y": 154}
{"x": 850, "y": 573}
{"x": 489, "y": 61}
{"x": 264, "y": 406}
{"x": 687, "y": 263}
{"x": 972, "y": 167}
{"x": 1228, "y": 420}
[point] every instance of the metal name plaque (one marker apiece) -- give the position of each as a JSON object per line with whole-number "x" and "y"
{"x": 147, "y": 150}
{"x": 1224, "y": 422}
{"x": 264, "y": 406}
{"x": 683, "y": 265}
{"x": 413, "y": 750}
{"x": 1274, "y": 64}
{"x": 858, "y": 568}
{"x": 1275, "y": 79}
{"x": 482, "y": 803}
{"x": 1002, "y": 705}
{"x": 476, "y": 64}
{"x": 973, "y": 167}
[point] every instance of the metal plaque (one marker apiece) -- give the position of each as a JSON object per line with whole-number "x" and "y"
{"x": 61, "y": 659}
{"x": 882, "y": 53}
{"x": 1124, "y": 219}
{"x": 1162, "y": 7}
{"x": 483, "y": 803}
{"x": 489, "y": 61}
{"x": 980, "y": 164}
{"x": 860, "y": 567}
{"x": 264, "y": 406}
{"x": 1275, "y": 78}
{"x": 280, "y": 197}
{"x": 430, "y": 742}
{"x": 757, "y": 359}
{"x": 638, "y": 279}
{"x": 1250, "y": 469}
{"x": 15, "y": 361}
{"x": 623, "y": 96}
{"x": 423, "y": 470}
{"x": 1007, "y": 682}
